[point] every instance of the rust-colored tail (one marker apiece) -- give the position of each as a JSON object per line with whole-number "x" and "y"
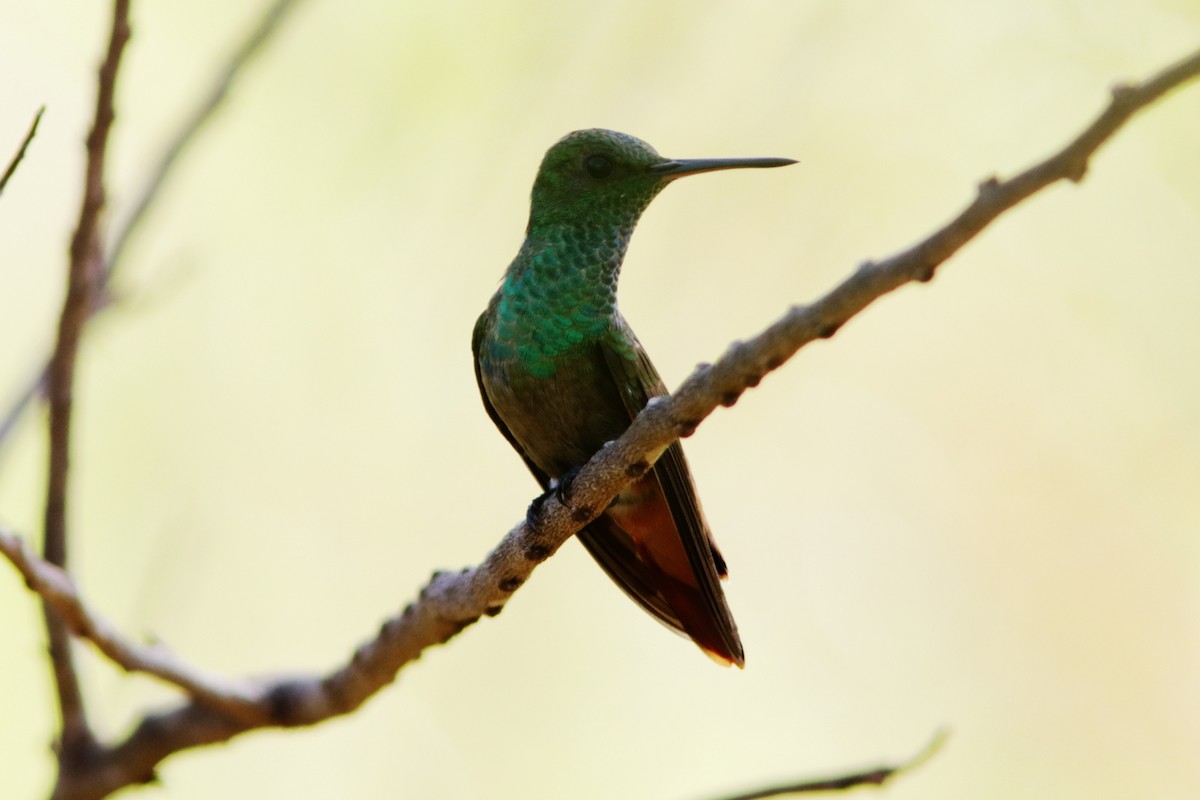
{"x": 653, "y": 541}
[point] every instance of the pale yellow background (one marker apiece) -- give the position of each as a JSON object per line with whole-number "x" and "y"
{"x": 977, "y": 507}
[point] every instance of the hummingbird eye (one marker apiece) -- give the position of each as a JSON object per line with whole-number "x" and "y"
{"x": 598, "y": 166}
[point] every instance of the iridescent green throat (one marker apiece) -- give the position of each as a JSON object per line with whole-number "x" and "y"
{"x": 559, "y": 293}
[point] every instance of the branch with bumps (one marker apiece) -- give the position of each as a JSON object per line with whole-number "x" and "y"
{"x": 218, "y": 709}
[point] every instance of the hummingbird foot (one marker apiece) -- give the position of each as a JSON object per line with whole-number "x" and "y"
{"x": 562, "y": 486}
{"x": 563, "y": 489}
{"x": 559, "y": 489}
{"x": 533, "y": 514}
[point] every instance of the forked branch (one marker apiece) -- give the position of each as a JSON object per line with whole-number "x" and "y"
{"x": 177, "y": 146}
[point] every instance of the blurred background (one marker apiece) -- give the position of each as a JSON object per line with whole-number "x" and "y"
{"x": 975, "y": 508}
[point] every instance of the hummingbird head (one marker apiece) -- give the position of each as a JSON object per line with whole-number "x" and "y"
{"x": 601, "y": 178}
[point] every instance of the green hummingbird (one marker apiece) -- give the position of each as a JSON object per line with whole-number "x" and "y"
{"x": 561, "y": 373}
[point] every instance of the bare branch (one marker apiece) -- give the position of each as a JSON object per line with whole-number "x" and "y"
{"x": 16, "y": 159}
{"x": 55, "y": 586}
{"x": 83, "y": 276}
{"x": 871, "y": 777}
{"x": 219, "y": 710}
{"x": 184, "y": 137}
{"x": 258, "y": 36}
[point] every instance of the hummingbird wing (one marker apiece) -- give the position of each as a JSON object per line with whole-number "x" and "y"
{"x": 656, "y": 545}
{"x": 476, "y": 338}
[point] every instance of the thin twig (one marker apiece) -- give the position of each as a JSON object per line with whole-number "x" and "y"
{"x": 29, "y": 393}
{"x": 16, "y": 159}
{"x": 258, "y": 36}
{"x": 452, "y": 601}
{"x": 77, "y": 742}
{"x": 262, "y": 32}
{"x": 877, "y": 776}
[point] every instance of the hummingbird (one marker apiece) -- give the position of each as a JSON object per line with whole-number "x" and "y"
{"x": 561, "y": 373}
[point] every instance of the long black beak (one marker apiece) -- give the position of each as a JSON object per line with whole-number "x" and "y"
{"x": 677, "y": 168}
